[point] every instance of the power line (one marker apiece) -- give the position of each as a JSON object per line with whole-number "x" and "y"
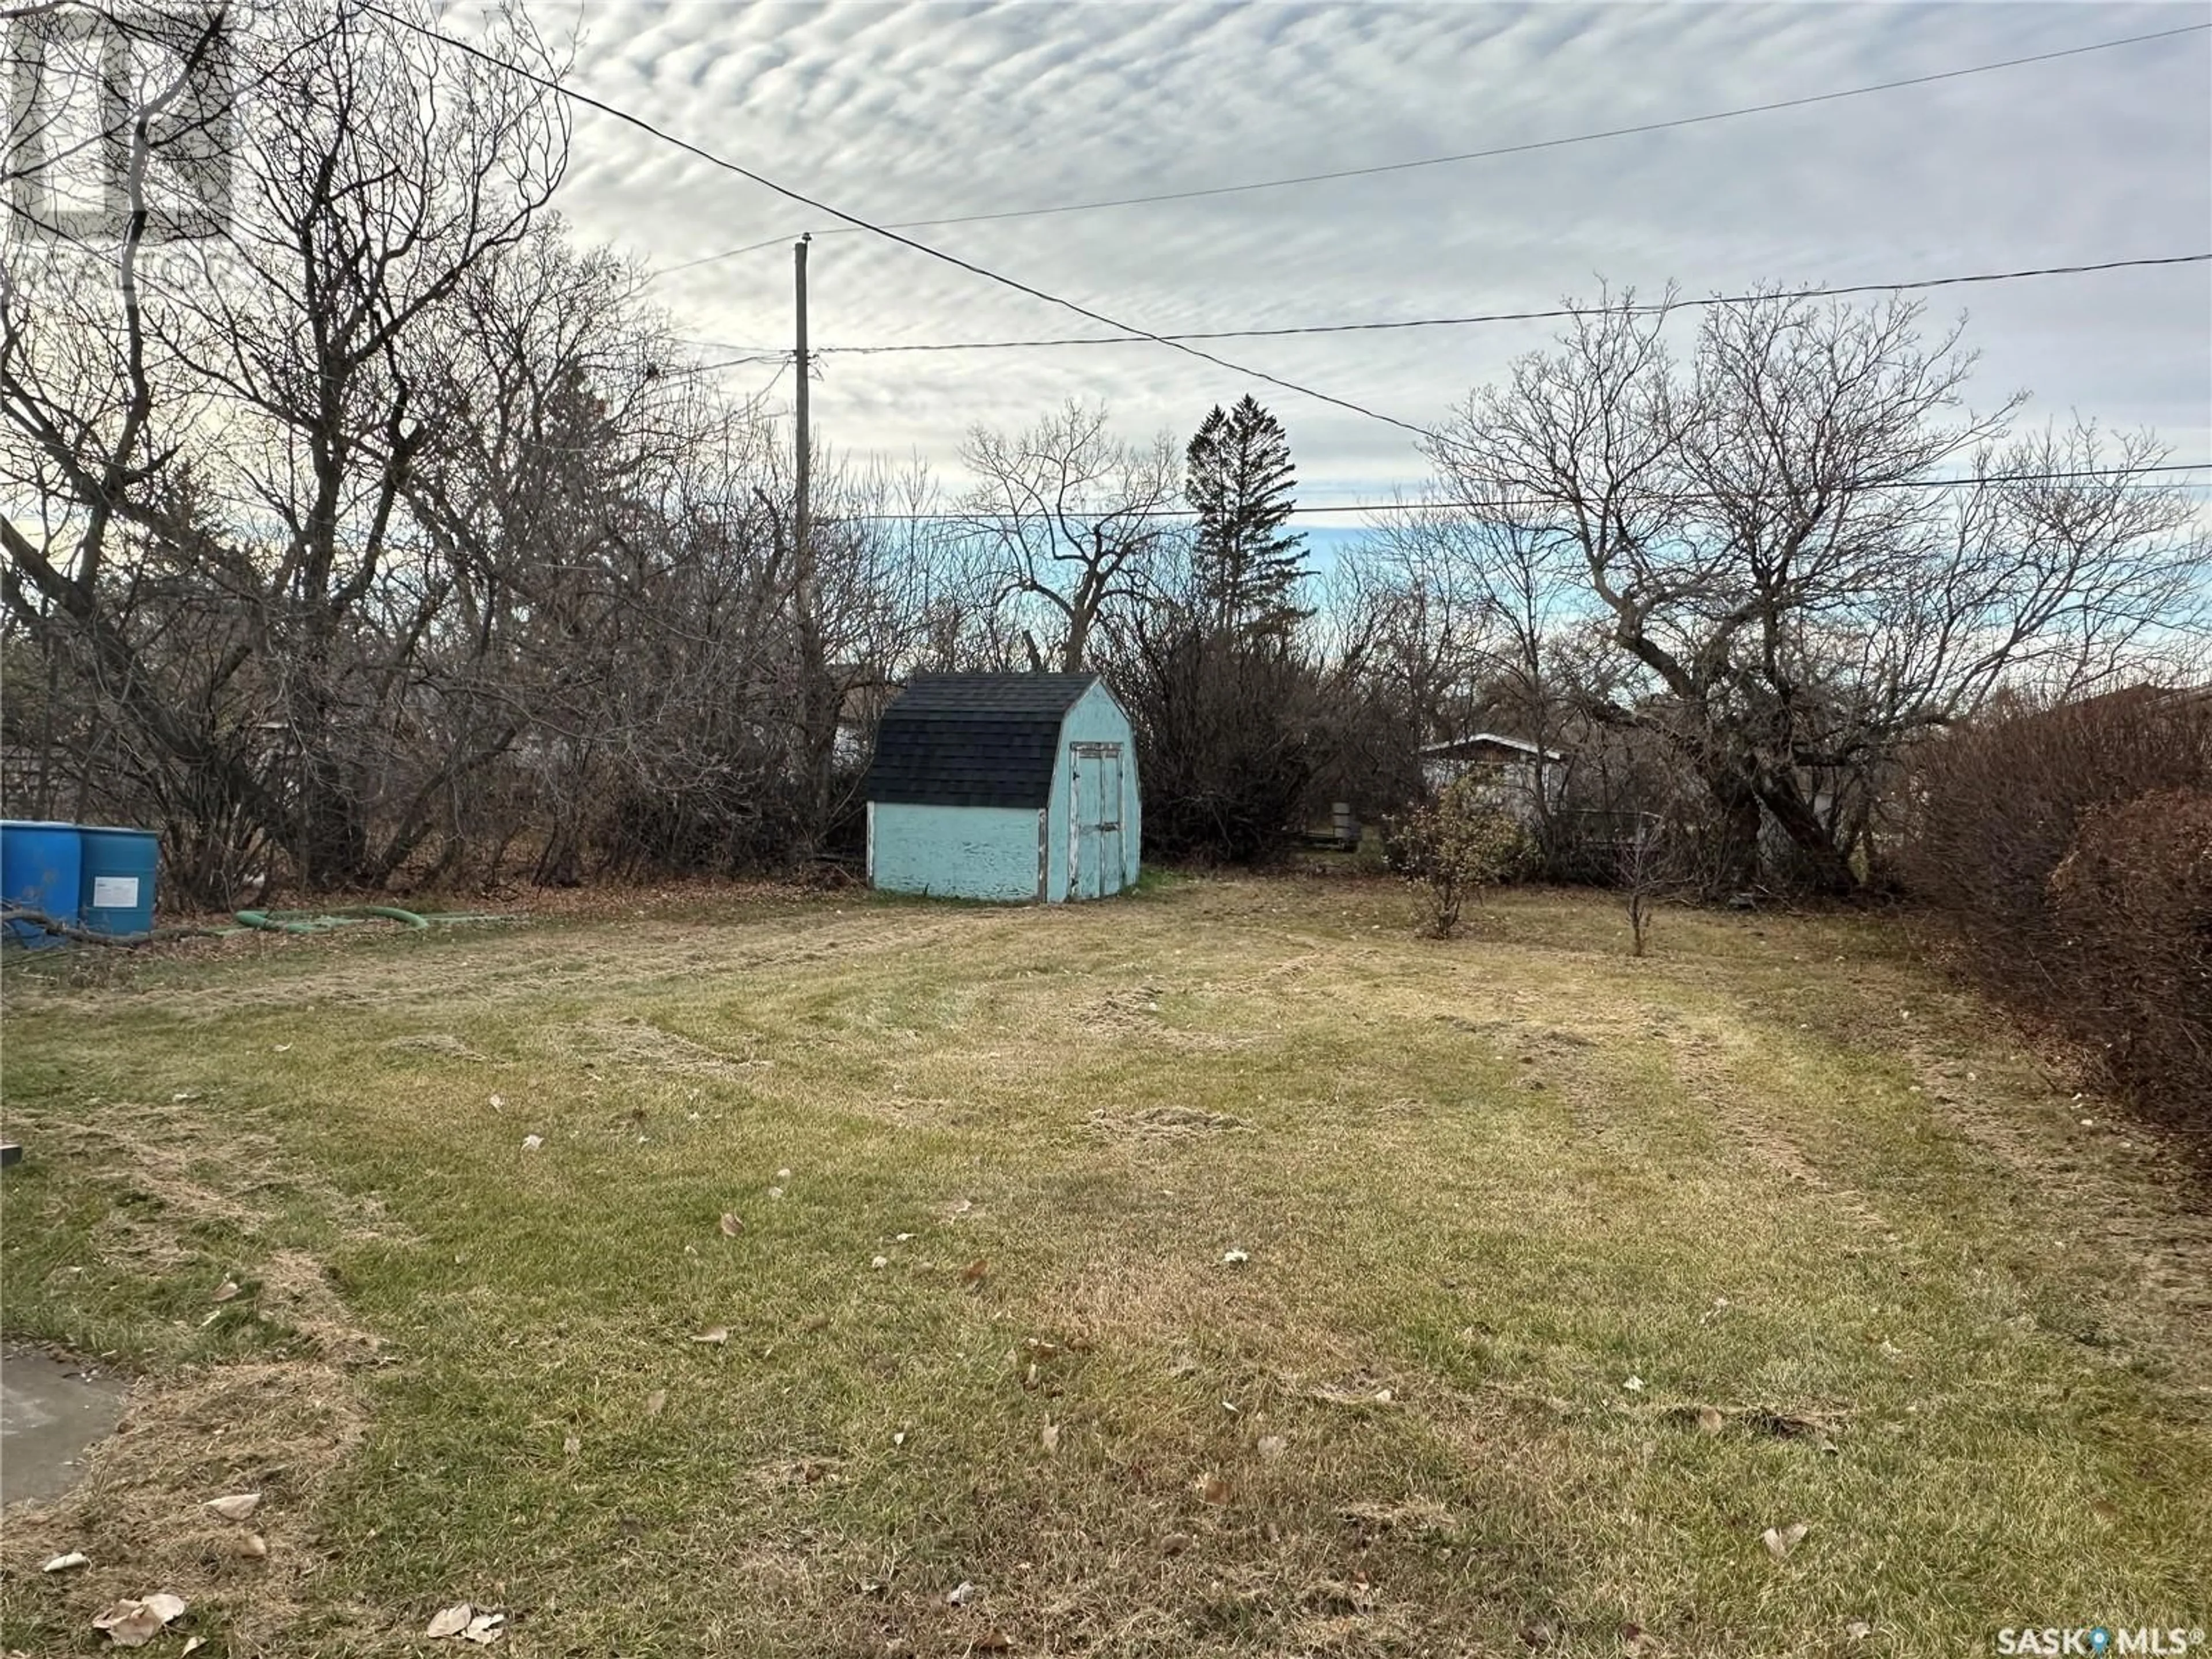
{"x": 750, "y": 247}
{"x": 729, "y": 362}
{"x": 859, "y": 223}
{"x": 1495, "y": 151}
{"x": 1526, "y": 316}
{"x": 1428, "y": 505}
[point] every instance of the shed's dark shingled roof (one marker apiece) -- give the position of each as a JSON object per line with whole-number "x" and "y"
{"x": 973, "y": 739}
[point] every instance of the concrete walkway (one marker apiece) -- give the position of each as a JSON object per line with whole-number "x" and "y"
{"x": 50, "y": 1414}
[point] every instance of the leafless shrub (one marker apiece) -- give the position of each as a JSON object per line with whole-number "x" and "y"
{"x": 2070, "y": 848}
{"x": 2133, "y": 904}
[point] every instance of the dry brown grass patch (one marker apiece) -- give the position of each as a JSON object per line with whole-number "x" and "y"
{"x": 279, "y": 1428}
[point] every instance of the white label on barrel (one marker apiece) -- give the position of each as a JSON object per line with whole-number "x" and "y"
{"x": 115, "y": 892}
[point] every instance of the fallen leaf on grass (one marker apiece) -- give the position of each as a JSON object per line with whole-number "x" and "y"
{"x": 1634, "y": 1385}
{"x": 1213, "y": 1490}
{"x": 451, "y": 1622}
{"x": 975, "y": 1272}
{"x": 1235, "y": 1258}
{"x": 63, "y": 1563}
{"x": 484, "y": 1628}
{"x": 963, "y": 1206}
{"x": 195, "y": 1644}
{"x": 1536, "y": 1634}
{"x": 714, "y": 1333}
{"x": 732, "y": 1226}
{"x": 1273, "y": 1445}
{"x": 132, "y": 1624}
{"x": 783, "y": 1174}
{"x": 1051, "y": 1437}
{"x": 656, "y": 1402}
{"x": 236, "y": 1507}
{"x": 571, "y": 1447}
{"x": 961, "y": 1595}
{"x": 994, "y": 1641}
{"x": 880, "y": 1262}
{"x": 2106, "y": 1510}
{"x": 1780, "y": 1543}
{"x": 253, "y": 1547}
{"x": 1174, "y": 1543}
{"x": 531, "y": 1143}
{"x": 1858, "y": 1630}
{"x": 227, "y": 1290}
{"x": 1709, "y": 1420}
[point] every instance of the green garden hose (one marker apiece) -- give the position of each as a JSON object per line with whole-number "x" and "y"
{"x": 321, "y": 922}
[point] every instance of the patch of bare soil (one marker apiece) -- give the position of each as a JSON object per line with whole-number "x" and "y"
{"x": 1165, "y": 1123}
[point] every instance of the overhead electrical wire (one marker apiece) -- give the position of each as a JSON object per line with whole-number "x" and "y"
{"x": 1423, "y": 504}
{"x": 859, "y": 223}
{"x": 728, "y": 362}
{"x": 1182, "y": 342}
{"x": 1495, "y": 151}
{"x": 1647, "y": 310}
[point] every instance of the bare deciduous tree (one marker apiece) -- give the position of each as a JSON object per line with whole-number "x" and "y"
{"x": 1069, "y": 518}
{"x": 1769, "y": 533}
{"x": 247, "y": 420}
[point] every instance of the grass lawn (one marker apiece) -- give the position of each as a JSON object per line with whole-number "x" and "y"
{"x": 1220, "y": 1270}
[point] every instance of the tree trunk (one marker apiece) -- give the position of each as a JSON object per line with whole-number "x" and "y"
{"x": 1823, "y": 866}
{"x": 1735, "y": 862}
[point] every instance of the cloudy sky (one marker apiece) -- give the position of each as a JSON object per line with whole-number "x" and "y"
{"x": 927, "y": 111}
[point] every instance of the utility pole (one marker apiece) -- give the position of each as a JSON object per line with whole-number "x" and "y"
{"x": 819, "y": 700}
{"x": 802, "y": 506}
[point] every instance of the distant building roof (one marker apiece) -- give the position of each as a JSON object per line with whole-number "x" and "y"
{"x": 973, "y": 739}
{"x": 1455, "y": 748}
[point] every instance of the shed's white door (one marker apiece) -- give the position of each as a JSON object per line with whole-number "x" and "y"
{"x": 1094, "y": 803}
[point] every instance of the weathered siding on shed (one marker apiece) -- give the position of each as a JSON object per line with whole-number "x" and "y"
{"x": 1096, "y": 718}
{"x": 954, "y": 852}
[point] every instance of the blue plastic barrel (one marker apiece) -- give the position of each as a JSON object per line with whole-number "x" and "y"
{"x": 41, "y": 868}
{"x": 117, "y": 894}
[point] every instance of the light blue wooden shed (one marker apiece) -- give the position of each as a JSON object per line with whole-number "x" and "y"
{"x": 1004, "y": 786}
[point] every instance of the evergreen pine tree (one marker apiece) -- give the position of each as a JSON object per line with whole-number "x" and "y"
{"x": 1239, "y": 479}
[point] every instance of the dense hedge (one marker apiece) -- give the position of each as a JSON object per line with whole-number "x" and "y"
{"x": 2071, "y": 849}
